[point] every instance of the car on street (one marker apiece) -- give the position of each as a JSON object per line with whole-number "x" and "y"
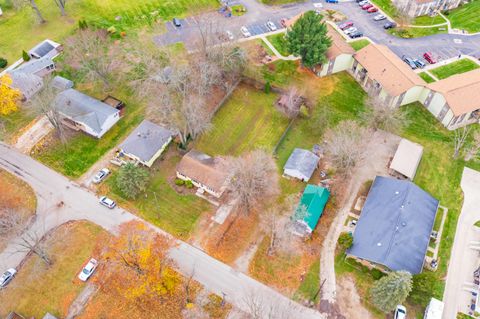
{"x": 419, "y": 63}
{"x": 356, "y": 34}
{"x": 271, "y": 26}
{"x": 345, "y": 25}
{"x": 7, "y": 276}
{"x": 379, "y": 17}
{"x": 283, "y": 22}
{"x": 101, "y": 175}
{"x": 429, "y": 57}
{"x": 372, "y": 10}
{"x": 331, "y": 1}
{"x": 107, "y": 202}
{"x": 88, "y": 270}
{"x": 350, "y": 30}
{"x": 362, "y": 3}
{"x": 176, "y": 22}
{"x": 229, "y": 35}
{"x": 410, "y": 62}
{"x": 389, "y": 25}
{"x": 367, "y": 6}
{"x": 245, "y": 32}
{"x": 400, "y": 312}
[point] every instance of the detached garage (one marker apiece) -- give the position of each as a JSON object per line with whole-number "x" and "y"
{"x": 407, "y": 158}
{"x": 301, "y": 164}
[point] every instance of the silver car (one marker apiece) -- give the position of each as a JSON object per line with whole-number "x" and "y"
{"x": 7, "y": 277}
{"x": 107, "y": 202}
{"x": 245, "y": 32}
{"x": 271, "y": 26}
{"x": 101, "y": 175}
{"x": 379, "y": 17}
{"x": 350, "y": 30}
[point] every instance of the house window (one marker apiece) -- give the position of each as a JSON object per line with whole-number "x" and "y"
{"x": 462, "y": 117}
{"x": 442, "y": 113}
{"x": 454, "y": 120}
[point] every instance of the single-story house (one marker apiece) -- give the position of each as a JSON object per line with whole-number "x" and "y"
{"x": 82, "y": 112}
{"x": 146, "y": 143}
{"x": 46, "y": 48}
{"x": 310, "y": 209}
{"x": 27, "y": 84}
{"x": 60, "y": 83}
{"x": 339, "y": 55}
{"x": 407, "y": 158}
{"x": 209, "y": 174}
{"x": 40, "y": 67}
{"x": 301, "y": 164}
{"x": 395, "y": 225}
{"x": 382, "y": 73}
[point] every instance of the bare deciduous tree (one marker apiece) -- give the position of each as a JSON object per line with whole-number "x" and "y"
{"x": 61, "y": 5}
{"x": 474, "y": 149}
{"x": 346, "y": 145}
{"x": 290, "y": 103}
{"x": 12, "y": 222}
{"x": 32, "y": 242}
{"x": 261, "y": 306}
{"x": 459, "y": 139}
{"x": 20, "y": 3}
{"x": 254, "y": 177}
{"x": 381, "y": 116}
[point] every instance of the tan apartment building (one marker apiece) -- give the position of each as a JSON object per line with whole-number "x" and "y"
{"x": 339, "y": 55}
{"x": 415, "y": 8}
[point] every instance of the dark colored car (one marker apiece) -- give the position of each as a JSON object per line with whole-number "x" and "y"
{"x": 410, "y": 62}
{"x": 367, "y": 6}
{"x": 176, "y": 22}
{"x": 331, "y": 1}
{"x": 357, "y": 34}
{"x": 346, "y": 25}
{"x": 429, "y": 57}
{"x": 389, "y": 25}
{"x": 419, "y": 63}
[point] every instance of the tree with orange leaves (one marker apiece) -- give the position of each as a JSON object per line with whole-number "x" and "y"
{"x": 9, "y": 96}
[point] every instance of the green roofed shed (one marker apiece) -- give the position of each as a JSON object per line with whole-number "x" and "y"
{"x": 314, "y": 199}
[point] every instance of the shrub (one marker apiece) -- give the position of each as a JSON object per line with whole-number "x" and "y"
{"x": 82, "y": 24}
{"x": 189, "y": 184}
{"x": 179, "y": 182}
{"x": 423, "y": 288}
{"x": 267, "y": 87}
{"x": 377, "y": 274}
{"x": 25, "y": 56}
{"x": 345, "y": 241}
{"x": 3, "y": 63}
{"x": 132, "y": 180}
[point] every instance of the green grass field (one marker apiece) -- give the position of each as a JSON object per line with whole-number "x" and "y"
{"x": 457, "y": 67}
{"x": 466, "y": 17}
{"x": 408, "y": 33}
{"x": 427, "y": 20}
{"x": 387, "y": 6}
{"x": 279, "y": 42}
{"x": 247, "y": 121}
{"x": 20, "y": 30}
{"x": 359, "y": 44}
{"x": 426, "y": 77}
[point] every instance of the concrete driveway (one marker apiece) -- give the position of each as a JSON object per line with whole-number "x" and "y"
{"x": 465, "y": 256}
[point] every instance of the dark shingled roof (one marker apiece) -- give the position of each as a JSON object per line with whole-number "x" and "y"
{"x": 395, "y": 225}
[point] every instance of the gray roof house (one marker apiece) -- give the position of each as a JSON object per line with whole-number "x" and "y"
{"x": 395, "y": 225}
{"x": 82, "y": 112}
{"x": 40, "y": 67}
{"x": 28, "y": 84}
{"x": 46, "y": 48}
{"x": 60, "y": 83}
{"x": 146, "y": 143}
{"x": 301, "y": 164}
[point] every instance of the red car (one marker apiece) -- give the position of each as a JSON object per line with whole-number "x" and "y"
{"x": 346, "y": 25}
{"x": 429, "y": 57}
{"x": 372, "y": 10}
{"x": 367, "y": 6}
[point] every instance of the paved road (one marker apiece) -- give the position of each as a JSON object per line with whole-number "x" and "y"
{"x": 443, "y": 46}
{"x": 464, "y": 260}
{"x": 51, "y": 187}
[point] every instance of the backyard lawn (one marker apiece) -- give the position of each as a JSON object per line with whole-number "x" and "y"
{"x": 387, "y": 6}
{"x": 279, "y": 42}
{"x": 457, "y": 67}
{"x": 466, "y": 17}
{"x": 426, "y": 77}
{"x": 15, "y": 25}
{"x": 427, "y": 20}
{"x": 37, "y": 289}
{"x": 359, "y": 44}
{"x": 247, "y": 121}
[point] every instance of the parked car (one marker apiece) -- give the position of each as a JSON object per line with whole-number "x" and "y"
{"x": 345, "y": 25}
{"x": 363, "y": 2}
{"x": 429, "y": 57}
{"x": 229, "y": 35}
{"x": 367, "y": 6}
{"x": 107, "y": 202}
{"x": 271, "y": 26}
{"x": 356, "y": 34}
{"x": 101, "y": 175}
{"x": 372, "y": 10}
{"x": 389, "y": 25}
{"x": 400, "y": 312}
{"x": 419, "y": 63}
{"x": 331, "y": 1}
{"x": 88, "y": 270}
{"x": 350, "y": 30}
{"x": 283, "y": 22}
{"x": 245, "y": 32}
{"x": 379, "y": 17}
{"x": 409, "y": 61}
{"x": 176, "y": 22}
{"x": 7, "y": 277}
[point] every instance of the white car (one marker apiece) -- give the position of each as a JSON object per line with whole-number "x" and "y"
{"x": 318, "y": 5}
{"x": 107, "y": 202}
{"x": 350, "y": 30}
{"x": 400, "y": 312}
{"x": 101, "y": 175}
{"x": 379, "y": 17}
{"x": 88, "y": 270}
{"x": 229, "y": 35}
{"x": 245, "y": 32}
{"x": 7, "y": 277}
{"x": 362, "y": 3}
{"x": 271, "y": 26}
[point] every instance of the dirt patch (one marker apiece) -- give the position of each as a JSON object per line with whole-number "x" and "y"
{"x": 349, "y": 301}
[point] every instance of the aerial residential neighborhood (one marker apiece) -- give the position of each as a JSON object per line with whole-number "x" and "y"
{"x": 236, "y": 159}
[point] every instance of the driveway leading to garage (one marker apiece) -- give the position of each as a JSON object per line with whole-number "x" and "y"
{"x": 464, "y": 259}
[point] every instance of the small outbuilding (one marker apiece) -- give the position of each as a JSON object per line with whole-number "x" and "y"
{"x": 60, "y": 83}
{"x": 407, "y": 158}
{"x": 146, "y": 143}
{"x": 301, "y": 164}
{"x": 310, "y": 209}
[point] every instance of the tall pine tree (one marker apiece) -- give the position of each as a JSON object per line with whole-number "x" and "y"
{"x": 308, "y": 39}
{"x": 391, "y": 290}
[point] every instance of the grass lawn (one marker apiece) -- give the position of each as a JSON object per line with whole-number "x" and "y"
{"x": 278, "y": 2}
{"x": 359, "y": 44}
{"x": 247, "y": 121}
{"x": 238, "y": 10}
{"x": 457, "y": 67}
{"x": 161, "y": 204}
{"x": 387, "y": 6}
{"x": 466, "y": 17}
{"x": 311, "y": 284}
{"x": 426, "y": 77}
{"x": 427, "y": 20}
{"x": 279, "y": 42}
{"x": 14, "y": 26}
{"x": 37, "y": 289}
{"x": 12, "y": 123}
{"x": 416, "y": 32}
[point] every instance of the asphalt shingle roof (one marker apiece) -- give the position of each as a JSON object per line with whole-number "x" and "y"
{"x": 303, "y": 161}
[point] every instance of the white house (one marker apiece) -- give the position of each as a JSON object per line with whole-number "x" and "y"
{"x": 301, "y": 164}
{"x": 82, "y": 112}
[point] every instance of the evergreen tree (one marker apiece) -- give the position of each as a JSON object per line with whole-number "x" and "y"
{"x": 25, "y": 56}
{"x": 391, "y": 290}
{"x": 131, "y": 180}
{"x": 308, "y": 39}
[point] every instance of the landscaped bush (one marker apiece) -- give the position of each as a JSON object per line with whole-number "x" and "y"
{"x": 188, "y": 184}
{"x": 179, "y": 182}
{"x": 25, "y": 56}
{"x": 3, "y": 63}
{"x": 345, "y": 241}
{"x": 377, "y": 274}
